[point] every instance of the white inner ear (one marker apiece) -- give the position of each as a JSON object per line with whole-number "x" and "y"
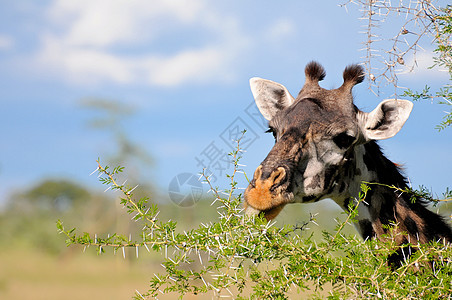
{"x": 270, "y": 96}
{"x": 385, "y": 120}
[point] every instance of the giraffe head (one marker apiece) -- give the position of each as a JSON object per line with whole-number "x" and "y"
{"x": 315, "y": 134}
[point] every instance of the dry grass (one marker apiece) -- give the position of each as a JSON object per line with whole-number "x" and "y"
{"x": 26, "y": 274}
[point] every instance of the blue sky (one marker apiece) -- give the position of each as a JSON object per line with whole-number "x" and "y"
{"x": 184, "y": 67}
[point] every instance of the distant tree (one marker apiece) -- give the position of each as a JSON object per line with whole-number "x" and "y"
{"x": 111, "y": 119}
{"x": 50, "y": 195}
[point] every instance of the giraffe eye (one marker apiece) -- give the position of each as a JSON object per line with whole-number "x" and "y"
{"x": 343, "y": 140}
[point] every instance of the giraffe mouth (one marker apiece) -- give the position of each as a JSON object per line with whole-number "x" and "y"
{"x": 269, "y": 214}
{"x": 261, "y": 197}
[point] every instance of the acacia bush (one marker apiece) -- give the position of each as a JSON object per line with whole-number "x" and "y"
{"x": 251, "y": 258}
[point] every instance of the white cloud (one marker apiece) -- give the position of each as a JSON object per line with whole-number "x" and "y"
{"x": 196, "y": 65}
{"x": 418, "y": 67}
{"x": 83, "y": 65}
{"x": 6, "y": 42}
{"x": 105, "y": 23}
{"x": 83, "y": 41}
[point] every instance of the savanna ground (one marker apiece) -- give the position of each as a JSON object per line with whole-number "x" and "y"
{"x": 28, "y": 274}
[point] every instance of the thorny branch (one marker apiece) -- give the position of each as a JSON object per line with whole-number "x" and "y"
{"x": 412, "y": 21}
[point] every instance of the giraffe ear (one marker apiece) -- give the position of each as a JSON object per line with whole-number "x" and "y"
{"x": 270, "y": 96}
{"x": 385, "y": 120}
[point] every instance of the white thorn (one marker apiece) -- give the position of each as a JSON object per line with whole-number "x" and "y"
{"x": 94, "y": 171}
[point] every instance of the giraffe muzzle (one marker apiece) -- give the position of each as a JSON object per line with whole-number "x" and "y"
{"x": 264, "y": 192}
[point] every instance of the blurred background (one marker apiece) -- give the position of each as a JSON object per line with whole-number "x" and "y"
{"x": 161, "y": 88}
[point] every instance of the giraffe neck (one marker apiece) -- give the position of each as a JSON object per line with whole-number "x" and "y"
{"x": 384, "y": 205}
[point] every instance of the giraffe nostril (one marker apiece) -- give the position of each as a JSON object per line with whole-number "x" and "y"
{"x": 272, "y": 178}
{"x": 278, "y": 176}
{"x": 258, "y": 173}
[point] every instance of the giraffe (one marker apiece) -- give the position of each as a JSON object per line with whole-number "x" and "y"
{"x": 325, "y": 147}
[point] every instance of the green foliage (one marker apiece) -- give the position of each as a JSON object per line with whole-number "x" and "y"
{"x": 445, "y": 94}
{"x": 422, "y": 193}
{"x": 250, "y": 258}
{"x": 443, "y": 33}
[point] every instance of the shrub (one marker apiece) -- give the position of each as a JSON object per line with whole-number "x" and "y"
{"x": 251, "y": 258}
